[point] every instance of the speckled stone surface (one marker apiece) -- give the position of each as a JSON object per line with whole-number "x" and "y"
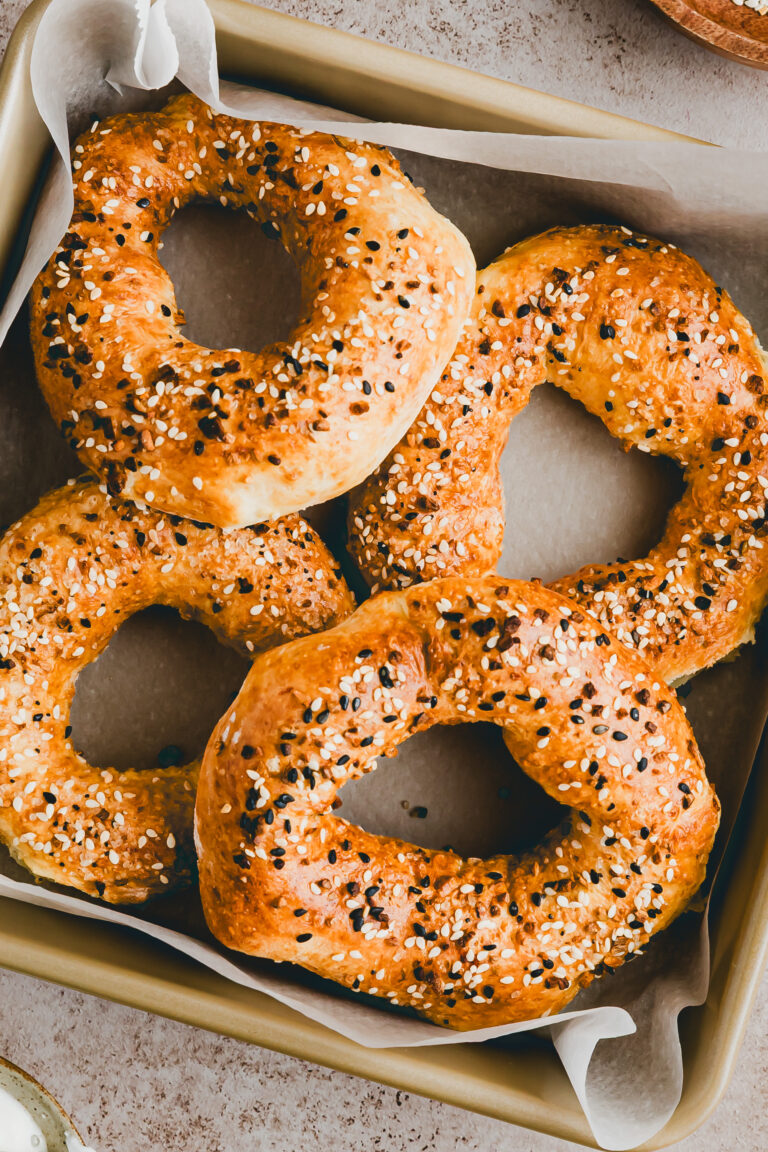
{"x": 136, "y": 1083}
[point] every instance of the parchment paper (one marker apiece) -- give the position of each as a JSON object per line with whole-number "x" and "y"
{"x": 572, "y": 497}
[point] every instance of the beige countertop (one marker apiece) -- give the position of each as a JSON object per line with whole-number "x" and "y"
{"x": 137, "y": 1083}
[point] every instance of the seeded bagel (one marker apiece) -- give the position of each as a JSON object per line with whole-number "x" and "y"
{"x": 645, "y": 339}
{"x": 228, "y": 436}
{"x": 467, "y": 943}
{"x": 71, "y": 572}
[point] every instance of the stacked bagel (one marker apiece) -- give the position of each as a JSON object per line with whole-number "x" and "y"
{"x": 397, "y": 385}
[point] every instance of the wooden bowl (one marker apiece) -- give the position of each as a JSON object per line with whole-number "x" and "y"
{"x": 733, "y": 30}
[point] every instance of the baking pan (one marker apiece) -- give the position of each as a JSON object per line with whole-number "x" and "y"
{"x": 524, "y": 1083}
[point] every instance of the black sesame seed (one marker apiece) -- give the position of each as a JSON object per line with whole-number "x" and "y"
{"x": 170, "y": 757}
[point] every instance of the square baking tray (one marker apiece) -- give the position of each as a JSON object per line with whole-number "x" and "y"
{"x": 522, "y": 1083}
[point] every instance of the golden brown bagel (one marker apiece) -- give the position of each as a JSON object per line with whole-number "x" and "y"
{"x": 641, "y": 335}
{"x": 71, "y": 572}
{"x": 467, "y": 943}
{"x": 234, "y": 437}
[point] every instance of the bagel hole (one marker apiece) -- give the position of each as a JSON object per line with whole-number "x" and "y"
{"x": 573, "y": 496}
{"x": 155, "y": 693}
{"x": 258, "y": 306}
{"x": 454, "y": 786}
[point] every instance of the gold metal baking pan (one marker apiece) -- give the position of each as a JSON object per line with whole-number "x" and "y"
{"x": 524, "y": 1084}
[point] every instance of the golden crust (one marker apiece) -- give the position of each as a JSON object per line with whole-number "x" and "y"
{"x": 71, "y": 571}
{"x": 229, "y": 436}
{"x": 642, "y": 336}
{"x": 467, "y": 943}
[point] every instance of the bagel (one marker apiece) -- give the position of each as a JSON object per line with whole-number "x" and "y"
{"x": 71, "y": 572}
{"x": 467, "y": 943}
{"x": 228, "y": 436}
{"x": 641, "y": 335}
